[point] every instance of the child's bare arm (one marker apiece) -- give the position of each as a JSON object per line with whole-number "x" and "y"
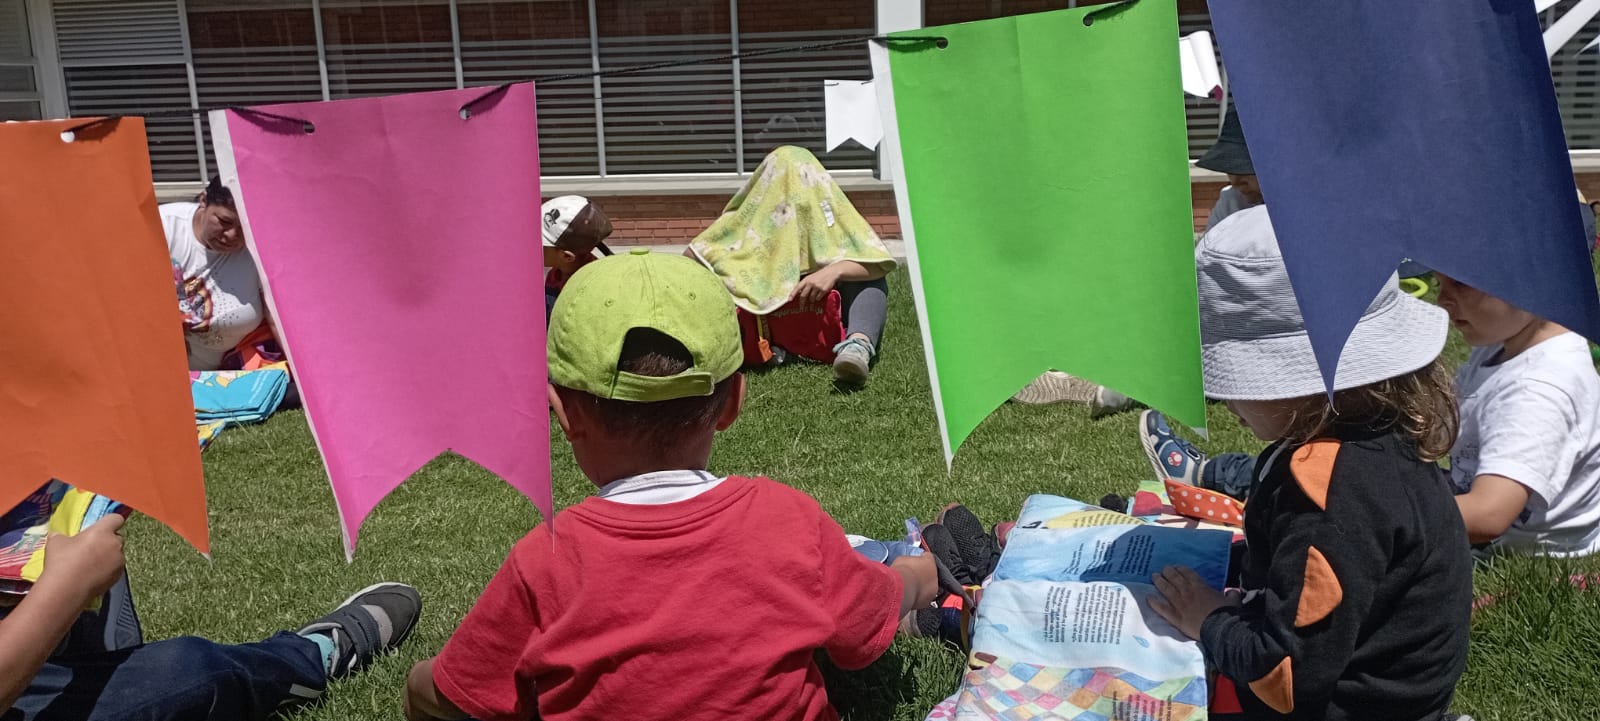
{"x": 423, "y": 701}
{"x": 919, "y": 579}
{"x": 1491, "y": 507}
{"x": 80, "y": 568}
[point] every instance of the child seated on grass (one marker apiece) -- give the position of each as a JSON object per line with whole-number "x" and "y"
{"x": 1358, "y": 574}
{"x": 1527, "y": 462}
{"x": 175, "y": 679}
{"x": 674, "y": 593}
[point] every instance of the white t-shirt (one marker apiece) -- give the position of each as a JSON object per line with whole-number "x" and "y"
{"x": 659, "y": 488}
{"x": 219, "y": 293}
{"x": 1533, "y": 419}
{"x": 1229, "y": 201}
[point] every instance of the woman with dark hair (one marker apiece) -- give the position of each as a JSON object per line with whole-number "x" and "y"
{"x": 219, "y": 290}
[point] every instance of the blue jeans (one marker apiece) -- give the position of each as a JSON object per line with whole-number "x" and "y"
{"x": 179, "y": 679}
{"x": 1230, "y": 473}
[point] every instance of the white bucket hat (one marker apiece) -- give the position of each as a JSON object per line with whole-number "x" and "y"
{"x": 1254, "y": 344}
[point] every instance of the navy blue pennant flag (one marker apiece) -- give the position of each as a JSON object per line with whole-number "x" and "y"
{"x": 1423, "y": 129}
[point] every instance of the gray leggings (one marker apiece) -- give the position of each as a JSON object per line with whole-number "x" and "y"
{"x": 865, "y": 304}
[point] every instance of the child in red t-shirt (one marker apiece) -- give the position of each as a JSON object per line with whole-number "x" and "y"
{"x": 674, "y": 593}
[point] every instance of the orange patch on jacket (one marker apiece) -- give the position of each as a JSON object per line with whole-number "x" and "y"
{"x": 1320, "y": 593}
{"x": 1312, "y": 467}
{"x": 1276, "y": 689}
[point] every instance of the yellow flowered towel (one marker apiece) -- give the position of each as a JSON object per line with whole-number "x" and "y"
{"x": 790, "y": 220}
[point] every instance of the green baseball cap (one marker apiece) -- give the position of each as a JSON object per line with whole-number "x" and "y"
{"x": 667, "y": 293}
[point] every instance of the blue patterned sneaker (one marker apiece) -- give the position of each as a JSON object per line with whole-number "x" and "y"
{"x": 1172, "y": 457}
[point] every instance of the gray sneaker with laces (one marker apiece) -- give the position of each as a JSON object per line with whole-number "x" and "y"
{"x": 852, "y": 362}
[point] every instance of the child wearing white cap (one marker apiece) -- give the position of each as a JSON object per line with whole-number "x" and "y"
{"x": 1357, "y": 577}
{"x": 572, "y": 229}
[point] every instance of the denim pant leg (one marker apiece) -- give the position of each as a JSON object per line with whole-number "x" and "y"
{"x": 179, "y": 679}
{"x": 1229, "y": 473}
{"x": 865, "y": 305}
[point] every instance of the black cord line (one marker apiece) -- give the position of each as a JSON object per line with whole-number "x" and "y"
{"x": 466, "y": 109}
{"x": 1107, "y": 11}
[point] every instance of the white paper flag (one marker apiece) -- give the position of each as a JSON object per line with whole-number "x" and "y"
{"x": 1198, "y": 58}
{"x": 852, "y": 113}
{"x": 1565, "y": 27}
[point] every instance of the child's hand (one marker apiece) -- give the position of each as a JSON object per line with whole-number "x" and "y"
{"x": 1185, "y": 600}
{"x": 814, "y": 288}
{"x": 89, "y": 563}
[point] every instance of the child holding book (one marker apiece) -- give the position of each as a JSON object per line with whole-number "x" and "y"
{"x": 1526, "y": 465}
{"x": 674, "y": 593}
{"x": 1358, "y": 576}
{"x": 187, "y": 678}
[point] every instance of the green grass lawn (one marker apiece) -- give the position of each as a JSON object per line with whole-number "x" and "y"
{"x": 872, "y": 458}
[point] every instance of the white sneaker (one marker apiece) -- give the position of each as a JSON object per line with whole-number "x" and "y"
{"x": 852, "y": 362}
{"x": 1107, "y": 402}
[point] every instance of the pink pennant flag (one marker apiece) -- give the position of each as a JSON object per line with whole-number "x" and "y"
{"x": 398, "y": 240}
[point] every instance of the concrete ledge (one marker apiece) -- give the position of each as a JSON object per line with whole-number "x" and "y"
{"x": 897, "y": 248}
{"x": 1583, "y": 161}
{"x": 637, "y": 185}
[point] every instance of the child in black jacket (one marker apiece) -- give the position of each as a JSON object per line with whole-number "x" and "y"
{"x": 1358, "y": 574}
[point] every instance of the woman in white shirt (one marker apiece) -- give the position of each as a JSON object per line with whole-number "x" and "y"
{"x": 219, "y": 291}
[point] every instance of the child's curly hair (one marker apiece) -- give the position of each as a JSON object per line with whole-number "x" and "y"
{"x": 1420, "y": 405}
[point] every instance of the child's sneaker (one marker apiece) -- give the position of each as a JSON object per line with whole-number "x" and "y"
{"x": 1173, "y": 458}
{"x": 1056, "y": 387}
{"x": 1107, "y": 402}
{"x": 852, "y": 362}
{"x": 377, "y": 618}
{"x": 978, "y": 549}
{"x": 942, "y": 546}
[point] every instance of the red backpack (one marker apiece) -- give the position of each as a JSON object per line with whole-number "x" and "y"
{"x": 807, "y": 331}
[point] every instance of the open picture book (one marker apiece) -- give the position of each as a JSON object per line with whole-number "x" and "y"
{"x": 1064, "y": 628}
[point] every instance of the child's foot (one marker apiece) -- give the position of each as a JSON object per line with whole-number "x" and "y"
{"x": 979, "y": 550}
{"x": 1107, "y": 402}
{"x": 941, "y": 623}
{"x": 1172, "y": 457}
{"x": 852, "y": 361}
{"x": 1056, "y": 387}
{"x": 377, "y": 618}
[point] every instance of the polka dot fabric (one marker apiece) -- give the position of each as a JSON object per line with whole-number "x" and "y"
{"x": 1205, "y": 505}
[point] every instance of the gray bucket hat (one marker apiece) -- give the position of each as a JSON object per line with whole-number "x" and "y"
{"x": 1253, "y": 341}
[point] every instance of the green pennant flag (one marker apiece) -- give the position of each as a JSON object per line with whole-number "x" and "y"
{"x": 1041, "y": 167}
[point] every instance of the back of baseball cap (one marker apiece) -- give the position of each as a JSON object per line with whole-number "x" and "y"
{"x": 572, "y": 222}
{"x": 670, "y": 294}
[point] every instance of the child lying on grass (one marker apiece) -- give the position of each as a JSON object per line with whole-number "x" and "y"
{"x": 674, "y": 593}
{"x": 1357, "y": 557}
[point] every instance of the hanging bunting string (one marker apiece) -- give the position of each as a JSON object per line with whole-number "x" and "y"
{"x": 466, "y": 109}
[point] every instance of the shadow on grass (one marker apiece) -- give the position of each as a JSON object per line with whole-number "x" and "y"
{"x": 881, "y": 691}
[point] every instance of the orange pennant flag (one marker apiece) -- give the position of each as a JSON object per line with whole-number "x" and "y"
{"x": 94, "y": 384}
